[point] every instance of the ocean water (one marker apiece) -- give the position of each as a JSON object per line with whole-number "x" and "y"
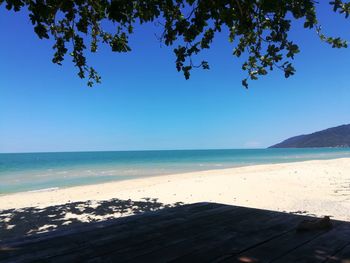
{"x": 37, "y": 171}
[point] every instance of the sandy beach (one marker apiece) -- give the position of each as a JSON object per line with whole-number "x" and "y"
{"x": 319, "y": 188}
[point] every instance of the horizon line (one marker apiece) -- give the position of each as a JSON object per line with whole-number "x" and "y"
{"x": 144, "y": 150}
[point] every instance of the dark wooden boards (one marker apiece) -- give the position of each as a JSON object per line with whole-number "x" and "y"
{"x": 202, "y": 232}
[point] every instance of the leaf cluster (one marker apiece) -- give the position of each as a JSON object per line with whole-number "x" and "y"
{"x": 258, "y": 29}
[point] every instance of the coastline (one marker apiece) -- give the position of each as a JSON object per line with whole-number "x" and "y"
{"x": 318, "y": 187}
{"x": 217, "y": 169}
{"x": 40, "y": 171}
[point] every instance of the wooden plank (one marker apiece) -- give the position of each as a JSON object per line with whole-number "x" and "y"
{"x": 277, "y": 247}
{"x": 342, "y": 256}
{"x": 69, "y": 238}
{"x": 320, "y": 248}
{"x": 250, "y": 233}
{"x": 198, "y": 247}
{"x": 147, "y": 216}
{"x": 183, "y": 235}
{"x": 130, "y": 243}
{"x": 58, "y": 245}
{"x": 194, "y": 233}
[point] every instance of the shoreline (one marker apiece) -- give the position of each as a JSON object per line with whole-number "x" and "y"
{"x": 54, "y": 188}
{"x": 317, "y": 187}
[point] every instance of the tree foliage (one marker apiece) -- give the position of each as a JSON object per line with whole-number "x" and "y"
{"x": 257, "y": 28}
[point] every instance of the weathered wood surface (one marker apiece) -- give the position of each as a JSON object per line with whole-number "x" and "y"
{"x": 203, "y": 232}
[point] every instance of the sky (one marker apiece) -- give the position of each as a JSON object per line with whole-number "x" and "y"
{"x": 143, "y": 103}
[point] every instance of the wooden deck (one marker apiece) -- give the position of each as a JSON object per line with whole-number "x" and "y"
{"x": 203, "y": 232}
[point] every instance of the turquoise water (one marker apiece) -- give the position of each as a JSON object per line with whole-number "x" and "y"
{"x": 34, "y": 171}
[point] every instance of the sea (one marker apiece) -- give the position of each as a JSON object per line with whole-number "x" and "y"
{"x": 21, "y": 172}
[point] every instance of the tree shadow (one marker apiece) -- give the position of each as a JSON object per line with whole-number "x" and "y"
{"x": 15, "y": 223}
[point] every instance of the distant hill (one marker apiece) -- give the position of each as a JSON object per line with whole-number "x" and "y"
{"x": 332, "y": 137}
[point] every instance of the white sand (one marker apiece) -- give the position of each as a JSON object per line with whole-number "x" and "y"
{"x": 317, "y": 187}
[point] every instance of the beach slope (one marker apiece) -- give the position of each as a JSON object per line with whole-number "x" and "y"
{"x": 320, "y": 187}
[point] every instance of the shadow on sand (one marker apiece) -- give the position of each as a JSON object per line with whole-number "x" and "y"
{"x": 16, "y": 223}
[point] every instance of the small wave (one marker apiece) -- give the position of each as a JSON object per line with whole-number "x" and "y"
{"x": 44, "y": 190}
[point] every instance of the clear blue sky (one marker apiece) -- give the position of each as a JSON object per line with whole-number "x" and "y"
{"x": 144, "y": 103}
